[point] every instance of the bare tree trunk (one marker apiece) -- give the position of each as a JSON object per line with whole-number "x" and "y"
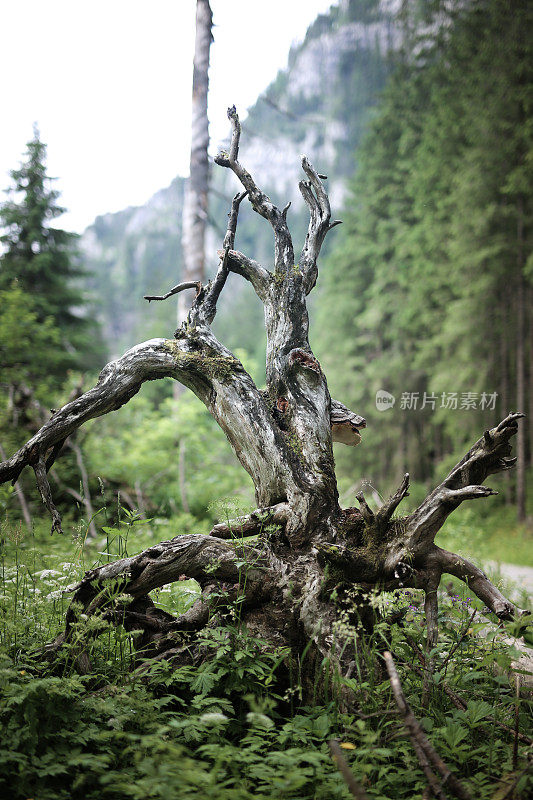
{"x": 76, "y": 449}
{"x": 521, "y": 365}
{"x": 182, "y": 481}
{"x": 504, "y": 385}
{"x": 196, "y": 191}
{"x": 530, "y": 372}
{"x": 20, "y": 497}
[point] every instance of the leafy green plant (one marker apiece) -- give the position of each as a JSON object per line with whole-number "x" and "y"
{"x": 225, "y": 728}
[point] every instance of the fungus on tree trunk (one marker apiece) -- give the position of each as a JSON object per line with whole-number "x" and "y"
{"x": 309, "y": 549}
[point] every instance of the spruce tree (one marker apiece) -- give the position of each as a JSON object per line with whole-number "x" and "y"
{"x": 41, "y": 259}
{"x": 45, "y": 323}
{"x": 435, "y": 257}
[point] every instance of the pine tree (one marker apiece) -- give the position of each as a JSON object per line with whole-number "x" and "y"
{"x": 45, "y": 325}
{"x": 41, "y": 259}
{"x": 434, "y": 256}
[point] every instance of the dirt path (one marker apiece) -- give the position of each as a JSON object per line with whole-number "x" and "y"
{"x": 519, "y": 578}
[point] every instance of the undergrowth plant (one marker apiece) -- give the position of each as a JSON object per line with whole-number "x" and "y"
{"x": 229, "y": 728}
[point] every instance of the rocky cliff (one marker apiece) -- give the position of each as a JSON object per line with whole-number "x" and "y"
{"x": 318, "y": 106}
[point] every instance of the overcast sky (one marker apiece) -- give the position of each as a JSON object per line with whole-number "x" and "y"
{"x": 109, "y": 84}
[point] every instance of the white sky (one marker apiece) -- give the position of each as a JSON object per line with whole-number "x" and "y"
{"x": 109, "y": 84}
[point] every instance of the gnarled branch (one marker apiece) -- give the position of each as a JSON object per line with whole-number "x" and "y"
{"x": 261, "y": 203}
{"x": 388, "y": 508}
{"x": 205, "y": 310}
{"x": 175, "y": 290}
{"x": 238, "y": 570}
{"x": 251, "y": 270}
{"x": 202, "y": 364}
{"x": 317, "y": 201}
{"x": 478, "y": 582}
{"x": 366, "y": 512}
{"x": 489, "y": 455}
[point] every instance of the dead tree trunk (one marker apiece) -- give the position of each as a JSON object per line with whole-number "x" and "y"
{"x": 309, "y": 548}
{"x": 194, "y": 220}
{"x": 521, "y": 350}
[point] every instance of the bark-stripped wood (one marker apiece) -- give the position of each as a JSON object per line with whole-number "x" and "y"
{"x": 307, "y": 549}
{"x": 195, "y": 202}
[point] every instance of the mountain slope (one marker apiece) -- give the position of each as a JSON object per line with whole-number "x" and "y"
{"x": 318, "y": 105}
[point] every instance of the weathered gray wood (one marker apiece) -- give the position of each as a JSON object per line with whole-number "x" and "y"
{"x": 308, "y": 547}
{"x": 195, "y": 201}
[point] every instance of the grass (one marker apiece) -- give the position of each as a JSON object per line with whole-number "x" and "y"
{"x": 496, "y": 537}
{"x": 232, "y": 729}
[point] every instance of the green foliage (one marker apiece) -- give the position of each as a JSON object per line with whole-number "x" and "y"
{"x": 172, "y": 450}
{"x": 426, "y": 287}
{"x": 30, "y": 348}
{"x": 46, "y": 330}
{"x": 41, "y": 259}
{"x": 230, "y": 728}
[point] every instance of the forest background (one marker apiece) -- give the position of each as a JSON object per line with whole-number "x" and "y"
{"x": 421, "y": 118}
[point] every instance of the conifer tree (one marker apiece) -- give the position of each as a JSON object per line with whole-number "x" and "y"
{"x": 45, "y": 324}
{"x": 437, "y": 243}
{"x": 41, "y": 259}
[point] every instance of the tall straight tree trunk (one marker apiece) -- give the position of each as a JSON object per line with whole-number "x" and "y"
{"x": 522, "y": 312}
{"x": 521, "y": 364}
{"x": 20, "y": 496}
{"x": 529, "y": 361}
{"x": 196, "y": 192}
{"x": 504, "y": 380}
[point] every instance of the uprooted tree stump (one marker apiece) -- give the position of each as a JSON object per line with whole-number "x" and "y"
{"x": 309, "y": 548}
